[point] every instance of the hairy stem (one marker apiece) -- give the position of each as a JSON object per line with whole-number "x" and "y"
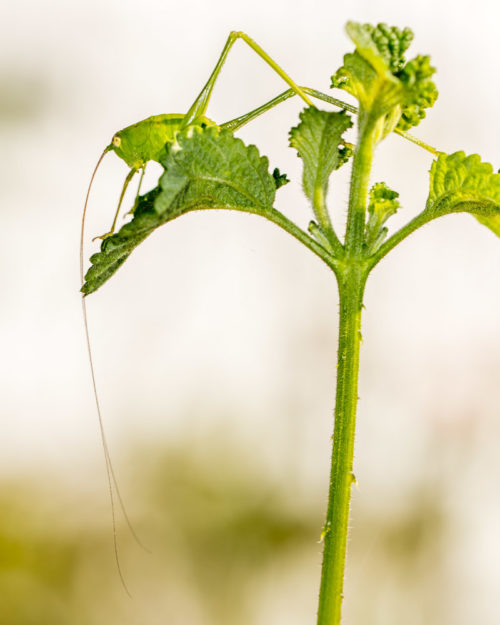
{"x": 358, "y": 194}
{"x": 351, "y": 282}
{"x": 341, "y": 477}
{"x": 397, "y": 237}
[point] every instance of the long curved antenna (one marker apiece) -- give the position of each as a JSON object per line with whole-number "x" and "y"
{"x": 91, "y": 362}
{"x": 110, "y": 473}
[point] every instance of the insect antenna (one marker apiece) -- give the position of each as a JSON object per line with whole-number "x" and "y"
{"x": 110, "y": 473}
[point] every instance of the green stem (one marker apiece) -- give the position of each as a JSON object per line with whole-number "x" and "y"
{"x": 289, "y": 226}
{"x": 351, "y": 282}
{"x": 360, "y": 180}
{"x": 285, "y": 223}
{"x": 397, "y": 237}
{"x": 351, "y": 289}
{"x": 323, "y": 217}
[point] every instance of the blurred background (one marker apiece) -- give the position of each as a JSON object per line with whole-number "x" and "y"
{"x": 215, "y": 344}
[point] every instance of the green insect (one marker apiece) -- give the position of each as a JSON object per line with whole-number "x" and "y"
{"x": 141, "y": 143}
{"x": 145, "y": 141}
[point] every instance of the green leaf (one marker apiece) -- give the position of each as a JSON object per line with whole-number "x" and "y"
{"x": 209, "y": 168}
{"x": 374, "y": 43}
{"x": 204, "y": 168}
{"x": 117, "y": 248}
{"x": 460, "y": 183}
{"x": 382, "y": 205}
{"x": 381, "y": 80}
{"x": 318, "y": 141}
{"x": 368, "y": 73}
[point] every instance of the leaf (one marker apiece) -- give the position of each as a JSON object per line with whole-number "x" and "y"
{"x": 460, "y": 183}
{"x": 379, "y": 77}
{"x": 117, "y": 248}
{"x": 367, "y": 73}
{"x": 382, "y": 205}
{"x": 318, "y": 141}
{"x": 204, "y": 168}
{"x": 388, "y": 43}
{"x": 209, "y": 168}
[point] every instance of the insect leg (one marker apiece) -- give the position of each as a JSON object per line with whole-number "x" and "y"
{"x": 129, "y": 177}
{"x": 199, "y": 106}
{"x": 241, "y": 120}
{"x": 143, "y": 171}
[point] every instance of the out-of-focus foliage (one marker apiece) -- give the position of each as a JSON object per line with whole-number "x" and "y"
{"x": 224, "y": 537}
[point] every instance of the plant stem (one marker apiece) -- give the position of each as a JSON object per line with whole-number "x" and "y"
{"x": 341, "y": 476}
{"x": 360, "y": 179}
{"x": 351, "y": 287}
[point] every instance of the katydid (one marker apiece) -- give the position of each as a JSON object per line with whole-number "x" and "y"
{"x": 138, "y": 144}
{"x": 145, "y": 141}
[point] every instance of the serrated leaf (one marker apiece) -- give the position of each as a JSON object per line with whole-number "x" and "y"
{"x": 204, "y": 168}
{"x": 318, "y": 141}
{"x": 460, "y": 183}
{"x": 208, "y": 167}
{"x": 117, "y": 248}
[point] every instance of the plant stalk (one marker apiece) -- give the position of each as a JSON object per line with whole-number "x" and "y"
{"x": 351, "y": 281}
{"x": 360, "y": 180}
{"x": 341, "y": 477}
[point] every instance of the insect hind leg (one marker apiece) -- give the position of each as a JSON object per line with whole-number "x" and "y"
{"x": 199, "y": 106}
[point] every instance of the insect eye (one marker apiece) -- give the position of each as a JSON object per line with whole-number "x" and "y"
{"x": 116, "y": 141}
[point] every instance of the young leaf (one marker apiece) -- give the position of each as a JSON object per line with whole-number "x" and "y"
{"x": 378, "y": 76}
{"x": 318, "y": 141}
{"x": 204, "y": 168}
{"x": 383, "y": 204}
{"x": 463, "y": 183}
{"x": 368, "y": 73}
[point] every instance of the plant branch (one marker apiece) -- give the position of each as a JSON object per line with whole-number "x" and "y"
{"x": 397, "y": 237}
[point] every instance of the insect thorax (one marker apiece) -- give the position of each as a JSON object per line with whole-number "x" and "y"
{"x": 145, "y": 141}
